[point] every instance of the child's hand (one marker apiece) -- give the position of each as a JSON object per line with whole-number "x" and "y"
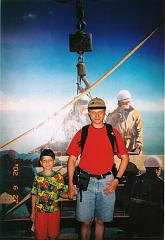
{"x": 64, "y": 195}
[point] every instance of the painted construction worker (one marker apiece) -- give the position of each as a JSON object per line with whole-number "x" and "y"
{"x": 147, "y": 200}
{"x": 128, "y": 122}
{"x": 77, "y": 117}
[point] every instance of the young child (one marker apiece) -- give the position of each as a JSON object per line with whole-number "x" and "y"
{"x": 48, "y": 186}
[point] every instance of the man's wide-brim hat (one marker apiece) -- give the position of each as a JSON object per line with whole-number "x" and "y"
{"x": 96, "y": 103}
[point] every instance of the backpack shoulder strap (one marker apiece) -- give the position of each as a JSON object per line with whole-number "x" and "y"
{"x": 112, "y": 138}
{"x": 84, "y": 135}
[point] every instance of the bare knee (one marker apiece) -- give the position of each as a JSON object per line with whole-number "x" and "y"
{"x": 86, "y": 224}
{"x": 99, "y": 222}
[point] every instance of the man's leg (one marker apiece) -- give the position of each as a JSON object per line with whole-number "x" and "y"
{"x": 99, "y": 229}
{"x": 85, "y": 209}
{"x": 104, "y": 207}
{"x": 85, "y": 230}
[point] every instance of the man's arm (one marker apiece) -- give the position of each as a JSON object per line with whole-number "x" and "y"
{"x": 71, "y": 168}
{"x": 139, "y": 133}
{"x": 122, "y": 167}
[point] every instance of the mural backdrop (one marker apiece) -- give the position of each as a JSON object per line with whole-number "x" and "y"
{"x": 39, "y": 75}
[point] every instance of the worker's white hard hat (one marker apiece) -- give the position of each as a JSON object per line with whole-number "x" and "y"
{"x": 153, "y": 161}
{"x": 124, "y": 96}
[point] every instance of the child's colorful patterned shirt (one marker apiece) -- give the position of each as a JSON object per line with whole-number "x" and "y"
{"x": 48, "y": 189}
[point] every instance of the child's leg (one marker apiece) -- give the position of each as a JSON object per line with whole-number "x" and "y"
{"x": 54, "y": 224}
{"x": 41, "y": 225}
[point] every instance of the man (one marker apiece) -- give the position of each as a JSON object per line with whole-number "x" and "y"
{"x": 128, "y": 122}
{"x": 96, "y": 160}
{"x": 146, "y": 201}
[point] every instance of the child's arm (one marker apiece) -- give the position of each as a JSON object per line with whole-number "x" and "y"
{"x": 33, "y": 208}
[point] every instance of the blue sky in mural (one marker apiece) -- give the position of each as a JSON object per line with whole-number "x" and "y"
{"x": 39, "y": 72}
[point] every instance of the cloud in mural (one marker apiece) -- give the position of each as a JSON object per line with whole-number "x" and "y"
{"x": 14, "y": 103}
{"x": 50, "y": 12}
{"x": 150, "y": 106}
{"x": 30, "y": 16}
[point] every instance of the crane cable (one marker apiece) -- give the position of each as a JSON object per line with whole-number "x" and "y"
{"x": 97, "y": 82}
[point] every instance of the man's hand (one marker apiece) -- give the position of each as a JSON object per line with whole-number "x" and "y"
{"x": 72, "y": 191}
{"x": 112, "y": 185}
